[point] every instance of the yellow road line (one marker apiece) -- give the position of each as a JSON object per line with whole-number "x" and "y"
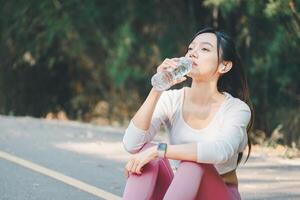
{"x": 59, "y": 176}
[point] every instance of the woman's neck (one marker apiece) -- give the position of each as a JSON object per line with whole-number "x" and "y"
{"x": 204, "y": 92}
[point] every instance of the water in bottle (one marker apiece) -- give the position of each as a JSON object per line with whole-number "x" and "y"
{"x": 163, "y": 80}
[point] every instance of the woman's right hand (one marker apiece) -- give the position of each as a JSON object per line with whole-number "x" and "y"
{"x": 169, "y": 65}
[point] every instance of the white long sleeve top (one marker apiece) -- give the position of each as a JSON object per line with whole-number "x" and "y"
{"x": 218, "y": 143}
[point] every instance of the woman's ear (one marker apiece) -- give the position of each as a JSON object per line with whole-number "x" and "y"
{"x": 225, "y": 66}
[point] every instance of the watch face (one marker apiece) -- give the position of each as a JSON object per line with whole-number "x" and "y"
{"x": 162, "y": 146}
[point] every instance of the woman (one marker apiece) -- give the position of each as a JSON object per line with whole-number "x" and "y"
{"x": 207, "y": 125}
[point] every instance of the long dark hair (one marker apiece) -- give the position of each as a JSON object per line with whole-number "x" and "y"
{"x": 234, "y": 81}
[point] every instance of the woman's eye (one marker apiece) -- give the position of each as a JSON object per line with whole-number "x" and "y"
{"x": 189, "y": 48}
{"x": 205, "y": 49}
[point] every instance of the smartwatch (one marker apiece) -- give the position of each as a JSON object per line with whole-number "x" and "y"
{"x": 161, "y": 149}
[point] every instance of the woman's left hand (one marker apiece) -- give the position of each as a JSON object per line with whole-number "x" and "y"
{"x": 138, "y": 160}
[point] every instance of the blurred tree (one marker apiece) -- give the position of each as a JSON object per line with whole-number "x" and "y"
{"x": 69, "y": 55}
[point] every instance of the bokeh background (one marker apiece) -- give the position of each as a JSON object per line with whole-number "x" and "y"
{"x": 92, "y": 60}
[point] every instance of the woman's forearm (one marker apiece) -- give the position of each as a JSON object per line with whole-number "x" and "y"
{"x": 182, "y": 152}
{"x": 143, "y": 116}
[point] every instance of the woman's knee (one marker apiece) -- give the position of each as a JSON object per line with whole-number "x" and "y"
{"x": 164, "y": 164}
{"x": 192, "y": 166}
{"x": 153, "y": 162}
{"x": 186, "y": 181}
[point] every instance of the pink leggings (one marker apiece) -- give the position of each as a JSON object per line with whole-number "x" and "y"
{"x": 158, "y": 181}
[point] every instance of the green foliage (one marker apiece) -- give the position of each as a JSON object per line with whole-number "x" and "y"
{"x": 118, "y": 70}
{"x": 71, "y": 54}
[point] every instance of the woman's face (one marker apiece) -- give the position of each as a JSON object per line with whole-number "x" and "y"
{"x": 203, "y": 52}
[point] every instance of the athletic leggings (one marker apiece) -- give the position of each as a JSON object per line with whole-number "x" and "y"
{"x": 192, "y": 181}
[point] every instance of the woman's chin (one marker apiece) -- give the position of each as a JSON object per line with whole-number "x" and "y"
{"x": 193, "y": 73}
{"x": 196, "y": 75}
{"x": 189, "y": 74}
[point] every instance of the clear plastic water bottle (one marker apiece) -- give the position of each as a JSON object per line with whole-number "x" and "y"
{"x": 163, "y": 80}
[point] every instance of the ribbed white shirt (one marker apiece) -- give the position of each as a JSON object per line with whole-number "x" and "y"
{"x": 218, "y": 143}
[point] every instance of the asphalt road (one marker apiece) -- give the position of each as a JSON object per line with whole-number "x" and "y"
{"x": 69, "y": 160}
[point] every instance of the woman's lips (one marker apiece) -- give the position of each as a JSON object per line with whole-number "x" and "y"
{"x": 194, "y": 64}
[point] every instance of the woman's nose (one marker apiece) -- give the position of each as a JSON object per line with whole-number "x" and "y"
{"x": 193, "y": 54}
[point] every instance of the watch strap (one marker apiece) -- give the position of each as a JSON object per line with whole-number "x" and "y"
{"x": 161, "y": 149}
